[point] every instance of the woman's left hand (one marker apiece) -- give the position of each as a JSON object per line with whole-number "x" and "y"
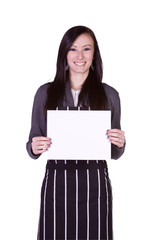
{"x": 117, "y": 137}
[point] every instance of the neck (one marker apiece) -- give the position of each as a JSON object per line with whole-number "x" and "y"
{"x": 77, "y": 80}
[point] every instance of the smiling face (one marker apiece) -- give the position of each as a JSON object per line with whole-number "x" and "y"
{"x": 80, "y": 55}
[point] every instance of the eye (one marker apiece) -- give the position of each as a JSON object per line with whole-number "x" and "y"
{"x": 87, "y": 49}
{"x": 72, "y": 49}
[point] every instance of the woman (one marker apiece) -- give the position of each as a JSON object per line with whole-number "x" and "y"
{"x": 76, "y": 201}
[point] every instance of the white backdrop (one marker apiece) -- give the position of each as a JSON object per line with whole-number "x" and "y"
{"x": 128, "y": 35}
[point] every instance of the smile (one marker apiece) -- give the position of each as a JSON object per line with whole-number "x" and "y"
{"x": 80, "y": 63}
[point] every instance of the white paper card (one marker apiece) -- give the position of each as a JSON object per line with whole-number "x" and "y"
{"x": 79, "y": 135}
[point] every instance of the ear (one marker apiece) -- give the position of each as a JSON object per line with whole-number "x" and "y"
{"x": 92, "y": 67}
{"x": 67, "y": 66}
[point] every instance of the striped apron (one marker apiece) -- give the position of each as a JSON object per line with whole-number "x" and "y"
{"x": 76, "y": 201}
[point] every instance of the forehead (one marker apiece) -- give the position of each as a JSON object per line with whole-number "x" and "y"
{"x": 83, "y": 40}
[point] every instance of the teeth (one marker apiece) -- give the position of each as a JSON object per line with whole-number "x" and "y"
{"x": 79, "y": 64}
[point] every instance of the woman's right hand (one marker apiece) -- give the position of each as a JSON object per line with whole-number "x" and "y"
{"x": 40, "y": 144}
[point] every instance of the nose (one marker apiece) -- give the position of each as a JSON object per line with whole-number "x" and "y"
{"x": 80, "y": 55}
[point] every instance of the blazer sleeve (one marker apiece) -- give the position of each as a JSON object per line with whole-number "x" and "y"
{"x": 38, "y": 121}
{"x": 115, "y": 107}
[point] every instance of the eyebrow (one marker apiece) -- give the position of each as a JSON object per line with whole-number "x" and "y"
{"x": 86, "y": 45}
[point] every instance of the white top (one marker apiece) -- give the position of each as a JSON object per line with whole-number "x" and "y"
{"x": 75, "y": 94}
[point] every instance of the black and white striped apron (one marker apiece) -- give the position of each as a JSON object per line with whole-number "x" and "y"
{"x": 76, "y": 201}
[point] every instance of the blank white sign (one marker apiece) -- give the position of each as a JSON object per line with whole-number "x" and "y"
{"x": 79, "y": 135}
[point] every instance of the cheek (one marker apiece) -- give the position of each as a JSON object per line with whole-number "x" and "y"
{"x": 70, "y": 58}
{"x": 69, "y": 55}
{"x": 90, "y": 56}
{"x": 90, "y": 59}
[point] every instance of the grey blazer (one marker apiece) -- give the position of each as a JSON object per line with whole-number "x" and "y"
{"x": 39, "y": 126}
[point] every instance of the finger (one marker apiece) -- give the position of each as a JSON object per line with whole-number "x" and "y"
{"x": 119, "y": 138}
{"x": 39, "y": 151}
{"x": 114, "y": 135}
{"x": 40, "y": 138}
{"x": 114, "y": 130}
{"x": 42, "y": 143}
{"x": 39, "y": 148}
{"x": 117, "y": 144}
{"x": 118, "y": 134}
{"x": 117, "y": 141}
{"x": 117, "y": 131}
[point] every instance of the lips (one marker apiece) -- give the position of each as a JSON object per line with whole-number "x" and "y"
{"x": 80, "y": 63}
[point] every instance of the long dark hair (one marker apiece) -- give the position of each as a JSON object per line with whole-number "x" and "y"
{"x": 92, "y": 89}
